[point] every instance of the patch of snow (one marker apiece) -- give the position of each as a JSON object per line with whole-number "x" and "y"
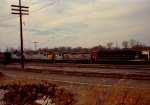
{"x": 2, "y": 92}
{"x": 45, "y": 101}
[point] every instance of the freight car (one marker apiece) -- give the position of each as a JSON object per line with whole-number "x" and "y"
{"x": 120, "y": 56}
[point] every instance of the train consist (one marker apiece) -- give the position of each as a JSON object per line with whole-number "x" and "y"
{"x": 119, "y": 57}
{"x": 54, "y": 57}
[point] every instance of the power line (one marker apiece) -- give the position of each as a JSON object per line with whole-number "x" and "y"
{"x": 35, "y": 3}
{"x": 33, "y": 10}
{"x": 45, "y": 6}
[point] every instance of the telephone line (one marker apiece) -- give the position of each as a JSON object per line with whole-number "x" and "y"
{"x": 33, "y": 10}
{"x": 45, "y": 6}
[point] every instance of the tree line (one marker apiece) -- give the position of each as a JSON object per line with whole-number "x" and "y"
{"x": 130, "y": 45}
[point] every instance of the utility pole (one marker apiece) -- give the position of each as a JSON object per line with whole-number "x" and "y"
{"x": 20, "y": 10}
{"x": 35, "y": 45}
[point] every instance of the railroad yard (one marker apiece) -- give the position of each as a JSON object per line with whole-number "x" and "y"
{"x": 80, "y": 73}
{"x": 75, "y": 77}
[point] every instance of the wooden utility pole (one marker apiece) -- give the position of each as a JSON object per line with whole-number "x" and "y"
{"x": 20, "y": 10}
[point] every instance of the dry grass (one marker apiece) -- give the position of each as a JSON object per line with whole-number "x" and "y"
{"x": 20, "y": 80}
{"x": 93, "y": 96}
{"x": 122, "y": 94}
{"x": 119, "y": 94}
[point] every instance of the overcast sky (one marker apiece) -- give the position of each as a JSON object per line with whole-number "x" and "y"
{"x": 74, "y": 23}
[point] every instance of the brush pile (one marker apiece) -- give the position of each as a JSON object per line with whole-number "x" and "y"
{"x": 29, "y": 94}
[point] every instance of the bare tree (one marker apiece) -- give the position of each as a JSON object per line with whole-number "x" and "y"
{"x": 62, "y": 49}
{"x": 42, "y": 50}
{"x": 10, "y": 49}
{"x": 98, "y": 48}
{"x": 77, "y": 49}
{"x": 55, "y": 49}
{"x": 125, "y": 44}
{"x": 69, "y": 49}
{"x": 109, "y": 45}
{"x": 85, "y": 50}
{"x": 28, "y": 50}
{"x": 133, "y": 43}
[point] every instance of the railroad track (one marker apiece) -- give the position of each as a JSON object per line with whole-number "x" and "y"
{"x": 133, "y": 76}
{"x": 102, "y": 66}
